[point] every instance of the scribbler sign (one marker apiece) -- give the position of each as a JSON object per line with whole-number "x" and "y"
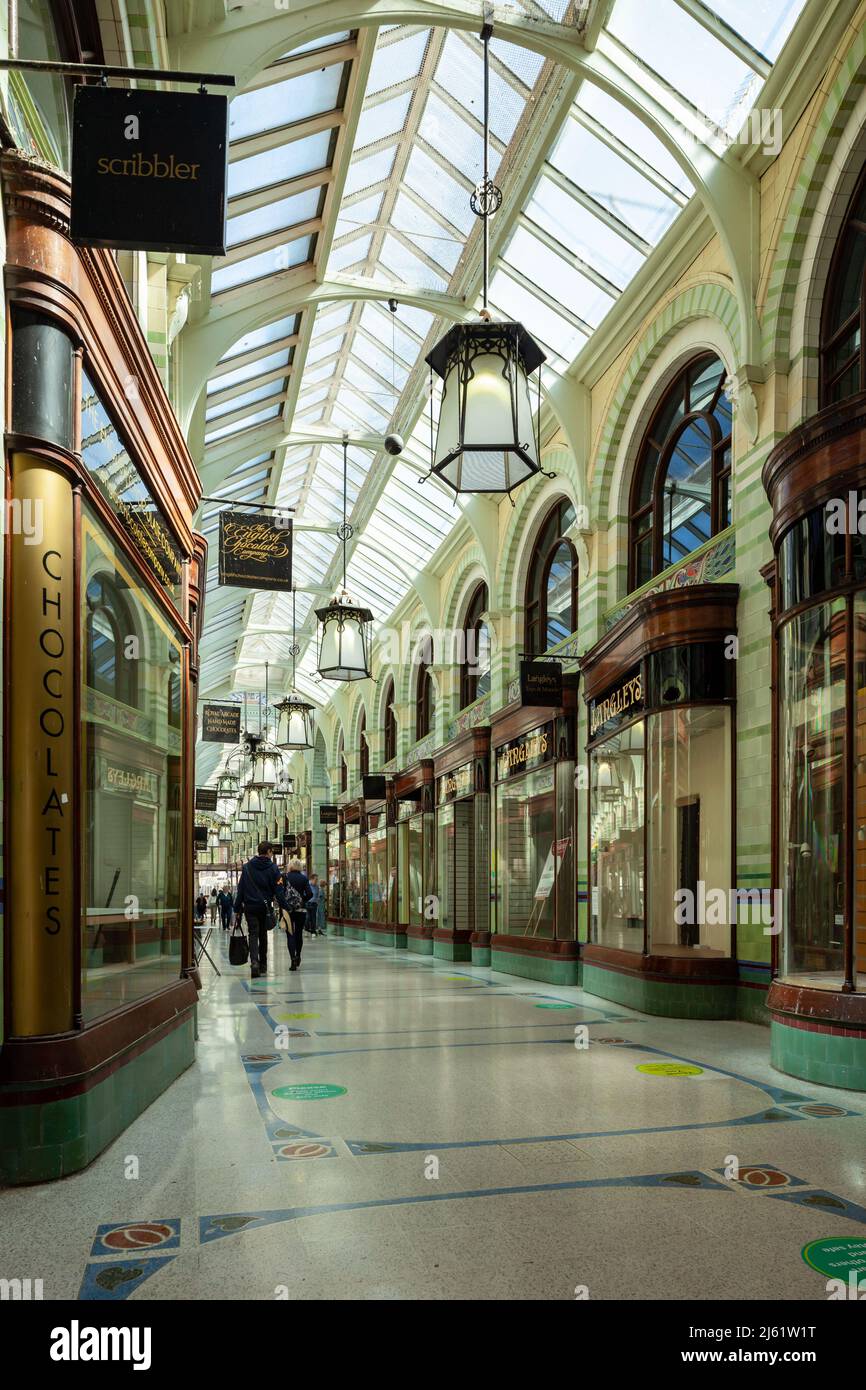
{"x": 255, "y": 551}
{"x": 149, "y": 170}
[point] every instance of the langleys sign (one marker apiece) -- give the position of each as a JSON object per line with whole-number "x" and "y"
{"x": 621, "y": 703}
{"x": 149, "y": 170}
{"x": 255, "y": 551}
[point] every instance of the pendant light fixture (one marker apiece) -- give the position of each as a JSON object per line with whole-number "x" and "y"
{"x": 487, "y": 439}
{"x": 344, "y": 626}
{"x": 294, "y": 715}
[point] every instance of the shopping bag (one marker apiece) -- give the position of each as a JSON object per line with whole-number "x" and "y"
{"x": 239, "y": 947}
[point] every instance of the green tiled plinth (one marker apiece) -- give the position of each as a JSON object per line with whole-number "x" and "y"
{"x": 354, "y": 933}
{"x": 397, "y": 939}
{"x": 334, "y": 928}
{"x": 480, "y": 955}
{"x": 669, "y": 999}
{"x": 421, "y": 945}
{"x": 830, "y": 1059}
{"x": 452, "y": 950}
{"x": 752, "y": 1005}
{"x": 41, "y": 1142}
{"x": 550, "y": 969}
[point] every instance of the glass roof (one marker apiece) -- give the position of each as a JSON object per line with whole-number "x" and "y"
{"x": 388, "y": 206}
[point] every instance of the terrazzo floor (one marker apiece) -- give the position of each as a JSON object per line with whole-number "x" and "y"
{"x": 464, "y": 1134}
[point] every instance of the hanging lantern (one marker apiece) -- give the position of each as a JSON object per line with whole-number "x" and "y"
{"x": 228, "y": 787}
{"x": 213, "y": 839}
{"x": 294, "y": 715}
{"x": 255, "y": 799}
{"x": 486, "y": 440}
{"x": 224, "y": 834}
{"x": 344, "y": 626}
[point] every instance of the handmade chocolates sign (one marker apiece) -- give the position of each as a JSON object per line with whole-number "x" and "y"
{"x": 255, "y": 551}
{"x": 149, "y": 170}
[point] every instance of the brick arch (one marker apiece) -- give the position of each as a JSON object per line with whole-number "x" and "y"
{"x": 710, "y": 300}
{"x": 470, "y": 569}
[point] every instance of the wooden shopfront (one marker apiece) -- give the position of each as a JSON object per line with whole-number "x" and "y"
{"x": 462, "y": 848}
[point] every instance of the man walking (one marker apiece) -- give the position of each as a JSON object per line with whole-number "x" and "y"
{"x": 261, "y": 882}
{"x": 224, "y": 898}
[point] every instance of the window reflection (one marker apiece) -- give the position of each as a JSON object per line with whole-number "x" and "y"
{"x": 617, "y": 840}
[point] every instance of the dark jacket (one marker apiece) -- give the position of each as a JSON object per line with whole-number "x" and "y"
{"x": 301, "y": 884}
{"x": 261, "y": 882}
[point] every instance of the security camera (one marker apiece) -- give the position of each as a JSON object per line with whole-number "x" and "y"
{"x": 393, "y": 444}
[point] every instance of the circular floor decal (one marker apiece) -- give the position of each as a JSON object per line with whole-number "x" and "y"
{"x": 822, "y": 1110}
{"x": 137, "y": 1236}
{"x": 309, "y": 1091}
{"x": 763, "y": 1177}
{"x": 669, "y": 1069}
{"x": 284, "y": 1018}
{"x": 556, "y": 1006}
{"x": 304, "y": 1150}
{"x": 837, "y": 1257}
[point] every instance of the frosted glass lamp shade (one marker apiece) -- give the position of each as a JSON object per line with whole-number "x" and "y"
{"x": 486, "y": 439}
{"x": 344, "y": 640}
{"x": 295, "y": 724}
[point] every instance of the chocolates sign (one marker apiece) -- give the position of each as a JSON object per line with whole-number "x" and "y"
{"x": 255, "y": 551}
{"x": 221, "y": 723}
{"x": 524, "y": 753}
{"x": 621, "y": 703}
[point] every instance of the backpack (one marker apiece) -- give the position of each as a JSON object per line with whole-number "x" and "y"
{"x": 294, "y": 901}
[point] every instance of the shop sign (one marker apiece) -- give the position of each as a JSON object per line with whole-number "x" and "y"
{"x": 290, "y": 842}
{"x": 623, "y": 701}
{"x": 205, "y": 798}
{"x": 255, "y": 551}
{"x": 329, "y": 815}
{"x": 199, "y": 836}
{"x": 131, "y": 779}
{"x": 406, "y": 809}
{"x": 221, "y": 723}
{"x": 524, "y": 753}
{"x": 373, "y": 786}
{"x": 453, "y": 785}
{"x": 541, "y": 683}
{"x": 149, "y": 170}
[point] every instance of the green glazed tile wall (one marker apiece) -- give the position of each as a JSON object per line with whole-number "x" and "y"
{"x": 551, "y": 971}
{"x": 830, "y": 1059}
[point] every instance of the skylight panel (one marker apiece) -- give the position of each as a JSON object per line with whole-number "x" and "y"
{"x": 273, "y": 217}
{"x": 523, "y": 62}
{"x": 688, "y": 58}
{"x": 426, "y": 232}
{"x": 581, "y": 232}
{"x": 265, "y": 263}
{"x": 349, "y": 254}
{"x": 551, "y": 272}
{"x": 445, "y": 130}
{"x": 363, "y": 173}
{"x": 330, "y": 316}
{"x": 257, "y": 419}
{"x": 326, "y": 41}
{"x": 633, "y": 133}
{"x": 274, "y": 166}
{"x": 325, "y": 348}
{"x": 378, "y": 356}
{"x": 259, "y": 393}
{"x": 358, "y": 375}
{"x": 260, "y": 367}
{"x": 296, "y": 99}
{"x": 612, "y": 182}
{"x": 384, "y": 119}
{"x": 260, "y": 337}
{"x": 460, "y": 71}
{"x": 765, "y": 24}
{"x": 361, "y": 214}
{"x": 377, "y": 322}
{"x": 428, "y": 179}
{"x": 538, "y": 318}
{"x": 397, "y": 62}
{"x": 408, "y": 267}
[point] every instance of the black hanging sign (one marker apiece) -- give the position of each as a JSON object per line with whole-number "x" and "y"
{"x": 199, "y": 836}
{"x": 290, "y": 842}
{"x": 221, "y": 723}
{"x": 329, "y": 815}
{"x": 205, "y": 798}
{"x": 255, "y": 551}
{"x": 541, "y": 683}
{"x": 149, "y": 170}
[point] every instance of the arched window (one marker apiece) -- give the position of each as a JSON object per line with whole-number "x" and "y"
{"x": 364, "y": 748}
{"x": 342, "y": 765}
{"x": 109, "y": 667}
{"x": 475, "y": 671}
{"x": 425, "y": 698}
{"x": 174, "y": 706}
{"x": 390, "y": 727}
{"x": 681, "y": 492}
{"x": 551, "y": 583}
{"x": 843, "y": 372}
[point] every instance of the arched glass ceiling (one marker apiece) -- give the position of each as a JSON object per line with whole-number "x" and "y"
{"x": 356, "y": 165}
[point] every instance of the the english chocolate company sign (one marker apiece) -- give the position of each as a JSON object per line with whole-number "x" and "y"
{"x": 149, "y": 170}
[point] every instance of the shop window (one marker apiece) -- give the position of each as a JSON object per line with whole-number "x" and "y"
{"x": 363, "y": 746}
{"x": 132, "y": 776}
{"x": 390, "y": 724}
{"x": 475, "y": 668}
{"x": 551, "y": 584}
{"x": 425, "y": 699}
{"x": 617, "y": 857}
{"x": 681, "y": 491}
{"x": 111, "y": 641}
{"x": 842, "y": 322}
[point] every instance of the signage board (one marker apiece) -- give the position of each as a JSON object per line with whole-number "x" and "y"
{"x": 530, "y": 750}
{"x": 329, "y": 815}
{"x": 541, "y": 683}
{"x": 199, "y": 836}
{"x": 205, "y": 798}
{"x": 617, "y": 706}
{"x": 221, "y": 723}
{"x": 149, "y": 170}
{"x": 455, "y": 784}
{"x": 373, "y": 784}
{"x": 255, "y": 551}
{"x": 140, "y": 782}
{"x": 290, "y": 842}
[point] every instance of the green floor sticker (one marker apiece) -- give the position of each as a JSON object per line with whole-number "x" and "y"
{"x": 284, "y": 1018}
{"x": 309, "y": 1091}
{"x": 555, "y": 1006}
{"x": 669, "y": 1069}
{"x": 839, "y": 1258}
